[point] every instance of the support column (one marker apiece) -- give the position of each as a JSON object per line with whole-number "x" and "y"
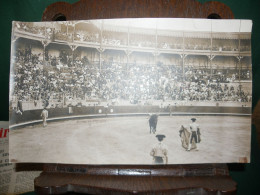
{"x": 44, "y": 53}
{"x": 128, "y": 53}
{"x": 183, "y": 56}
{"x": 100, "y": 50}
{"x": 210, "y": 57}
{"x": 45, "y": 43}
{"x": 155, "y": 54}
{"x": 73, "y": 34}
{"x": 239, "y": 67}
{"x": 73, "y": 48}
{"x": 14, "y": 38}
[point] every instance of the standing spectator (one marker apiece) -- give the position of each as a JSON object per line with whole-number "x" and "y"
{"x": 44, "y": 116}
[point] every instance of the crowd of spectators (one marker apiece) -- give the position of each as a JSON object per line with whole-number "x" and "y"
{"x": 85, "y": 36}
{"x": 27, "y": 75}
{"x": 117, "y": 39}
{"x": 42, "y": 31}
{"x": 85, "y": 80}
{"x": 21, "y": 26}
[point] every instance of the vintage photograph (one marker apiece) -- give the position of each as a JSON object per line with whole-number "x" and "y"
{"x": 131, "y": 91}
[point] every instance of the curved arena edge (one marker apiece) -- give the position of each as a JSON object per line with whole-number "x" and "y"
{"x": 33, "y": 117}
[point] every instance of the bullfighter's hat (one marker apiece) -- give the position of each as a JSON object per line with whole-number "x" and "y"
{"x": 160, "y": 137}
{"x": 193, "y": 119}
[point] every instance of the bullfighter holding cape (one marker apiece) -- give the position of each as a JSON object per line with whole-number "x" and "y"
{"x": 191, "y": 136}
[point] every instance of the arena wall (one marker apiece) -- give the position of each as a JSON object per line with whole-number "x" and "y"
{"x": 33, "y": 115}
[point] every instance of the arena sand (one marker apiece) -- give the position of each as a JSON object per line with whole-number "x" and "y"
{"x": 127, "y": 140}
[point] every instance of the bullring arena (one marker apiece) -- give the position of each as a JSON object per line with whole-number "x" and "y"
{"x": 127, "y": 140}
{"x": 100, "y": 80}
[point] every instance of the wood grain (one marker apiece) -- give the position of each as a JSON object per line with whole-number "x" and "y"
{"x": 256, "y": 120}
{"x": 135, "y": 179}
{"x": 100, "y": 9}
{"x": 59, "y": 183}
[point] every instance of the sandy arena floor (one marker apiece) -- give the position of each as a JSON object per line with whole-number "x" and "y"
{"x": 127, "y": 140}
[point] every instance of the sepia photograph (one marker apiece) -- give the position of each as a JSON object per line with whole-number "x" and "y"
{"x": 131, "y": 91}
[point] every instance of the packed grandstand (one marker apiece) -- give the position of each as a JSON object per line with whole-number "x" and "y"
{"x": 93, "y": 63}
